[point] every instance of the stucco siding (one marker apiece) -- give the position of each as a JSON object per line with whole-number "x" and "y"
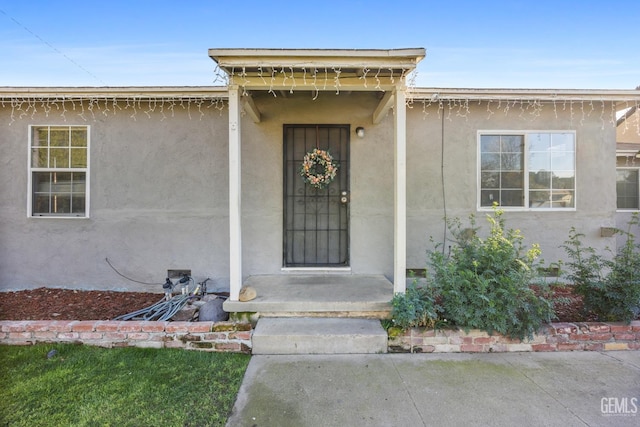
{"x": 159, "y": 200}
{"x": 595, "y": 177}
{"x": 159, "y": 190}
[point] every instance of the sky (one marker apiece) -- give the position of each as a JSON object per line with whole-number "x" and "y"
{"x": 546, "y": 44}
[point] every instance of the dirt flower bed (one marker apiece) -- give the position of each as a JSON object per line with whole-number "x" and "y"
{"x": 65, "y": 304}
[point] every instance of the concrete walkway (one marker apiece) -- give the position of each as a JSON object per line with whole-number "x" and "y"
{"x": 552, "y": 389}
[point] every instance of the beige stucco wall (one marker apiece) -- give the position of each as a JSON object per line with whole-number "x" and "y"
{"x": 159, "y": 191}
{"x": 159, "y": 200}
{"x": 595, "y": 176}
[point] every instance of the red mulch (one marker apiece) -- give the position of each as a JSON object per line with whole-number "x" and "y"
{"x": 65, "y": 304}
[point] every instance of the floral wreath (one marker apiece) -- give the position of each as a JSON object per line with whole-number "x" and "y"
{"x": 318, "y": 169}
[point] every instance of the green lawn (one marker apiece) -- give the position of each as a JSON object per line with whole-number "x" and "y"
{"x": 91, "y": 386}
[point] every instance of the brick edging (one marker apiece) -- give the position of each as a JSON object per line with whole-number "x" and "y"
{"x": 587, "y": 336}
{"x": 207, "y": 336}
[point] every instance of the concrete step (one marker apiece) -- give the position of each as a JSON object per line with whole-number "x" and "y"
{"x": 330, "y": 295}
{"x": 310, "y": 335}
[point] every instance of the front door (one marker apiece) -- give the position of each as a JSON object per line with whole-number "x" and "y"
{"x": 316, "y": 220}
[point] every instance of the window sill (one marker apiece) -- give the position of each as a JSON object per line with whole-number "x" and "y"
{"x": 514, "y": 209}
{"x": 56, "y": 217}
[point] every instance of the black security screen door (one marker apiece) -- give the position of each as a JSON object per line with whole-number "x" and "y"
{"x": 316, "y": 221}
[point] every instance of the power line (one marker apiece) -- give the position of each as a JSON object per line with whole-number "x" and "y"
{"x": 52, "y": 47}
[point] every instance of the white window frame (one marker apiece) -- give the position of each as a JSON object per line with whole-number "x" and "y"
{"x": 635, "y": 167}
{"x": 31, "y": 170}
{"x": 525, "y": 134}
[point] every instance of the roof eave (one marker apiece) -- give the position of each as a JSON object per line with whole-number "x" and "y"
{"x": 115, "y": 92}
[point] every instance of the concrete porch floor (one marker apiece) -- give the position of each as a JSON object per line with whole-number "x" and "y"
{"x": 321, "y": 295}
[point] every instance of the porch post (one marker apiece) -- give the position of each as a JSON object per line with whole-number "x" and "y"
{"x": 235, "y": 196}
{"x": 400, "y": 200}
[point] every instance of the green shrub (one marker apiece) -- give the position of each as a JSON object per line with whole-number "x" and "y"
{"x": 486, "y": 283}
{"x": 415, "y": 308}
{"x": 609, "y": 286}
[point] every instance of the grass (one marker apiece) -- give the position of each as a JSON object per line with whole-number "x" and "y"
{"x": 91, "y": 386}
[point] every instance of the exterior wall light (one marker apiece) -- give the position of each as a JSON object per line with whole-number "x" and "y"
{"x": 360, "y": 132}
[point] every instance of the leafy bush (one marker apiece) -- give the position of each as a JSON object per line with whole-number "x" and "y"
{"x": 486, "y": 283}
{"x": 609, "y": 286}
{"x": 416, "y": 307}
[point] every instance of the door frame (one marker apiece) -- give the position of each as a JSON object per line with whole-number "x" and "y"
{"x": 344, "y": 186}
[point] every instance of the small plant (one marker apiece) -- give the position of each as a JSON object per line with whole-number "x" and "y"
{"x": 609, "y": 286}
{"x": 486, "y": 283}
{"x": 415, "y": 308}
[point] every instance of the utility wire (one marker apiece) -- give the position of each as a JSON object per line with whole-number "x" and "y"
{"x": 52, "y": 47}
{"x": 129, "y": 278}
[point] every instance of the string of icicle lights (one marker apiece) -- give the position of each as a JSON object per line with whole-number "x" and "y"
{"x": 318, "y": 79}
{"x": 92, "y": 107}
{"x": 607, "y": 112}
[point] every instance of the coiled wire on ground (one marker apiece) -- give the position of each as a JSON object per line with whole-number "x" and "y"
{"x": 164, "y": 309}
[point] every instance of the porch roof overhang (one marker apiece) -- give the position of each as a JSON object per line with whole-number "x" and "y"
{"x": 317, "y": 69}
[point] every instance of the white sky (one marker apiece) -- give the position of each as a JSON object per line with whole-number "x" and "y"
{"x": 586, "y": 44}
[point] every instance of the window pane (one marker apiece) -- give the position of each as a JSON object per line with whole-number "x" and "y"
{"x": 490, "y": 162}
{"x": 61, "y": 203}
{"x": 627, "y": 189}
{"x": 39, "y": 157}
{"x": 61, "y": 182}
{"x": 551, "y": 170}
{"x": 539, "y": 180}
{"x": 539, "y": 142}
{"x": 563, "y": 141}
{"x": 511, "y": 198}
{"x": 78, "y": 158}
{"x": 41, "y": 204}
{"x": 489, "y": 180}
{"x": 511, "y": 161}
{"x": 41, "y": 182}
{"x": 78, "y": 137}
{"x": 490, "y": 143}
{"x": 78, "y": 204}
{"x": 59, "y": 137}
{"x": 562, "y": 161}
{"x": 539, "y": 162}
{"x": 40, "y": 137}
{"x": 562, "y": 199}
{"x": 59, "y": 158}
{"x": 564, "y": 180}
{"x": 512, "y": 180}
{"x": 539, "y": 199}
{"x": 512, "y": 143}
{"x": 487, "y": 197}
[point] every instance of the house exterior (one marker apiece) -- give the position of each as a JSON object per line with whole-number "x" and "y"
{"x": 110, "y": 188}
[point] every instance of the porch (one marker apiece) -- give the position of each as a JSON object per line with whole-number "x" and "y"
{"x": 317, "y": 295}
